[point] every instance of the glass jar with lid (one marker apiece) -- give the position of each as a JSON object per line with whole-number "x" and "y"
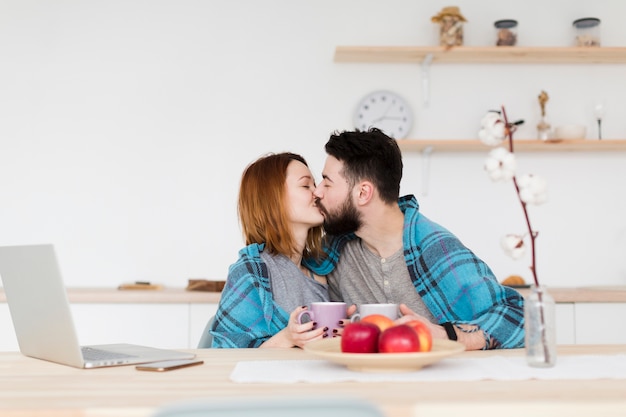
{"x": 506, "y": 32}
{"x": 587, "y": 31}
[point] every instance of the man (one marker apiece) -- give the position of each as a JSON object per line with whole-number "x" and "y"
{"x": 381, "y": 249}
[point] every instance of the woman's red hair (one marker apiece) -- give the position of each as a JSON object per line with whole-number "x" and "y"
{"x": 263, "y": 210}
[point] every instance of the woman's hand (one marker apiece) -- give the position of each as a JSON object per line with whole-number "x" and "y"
{"x": 295, "y": 334}
{"x": 301, "y": 334}
{"x": 349, "y": 312}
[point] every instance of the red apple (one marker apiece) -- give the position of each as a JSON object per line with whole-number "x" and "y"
{"x": 360, "y": 337}
{"x": 400, "y": 338}
{"x": 383, "y": 322}
{"x": 423, "y": 334}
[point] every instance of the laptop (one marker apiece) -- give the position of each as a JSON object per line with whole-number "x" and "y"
{"x": 42, "y": 317}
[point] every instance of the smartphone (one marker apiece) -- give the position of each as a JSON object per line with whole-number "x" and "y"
{"x": 168, "y": 365}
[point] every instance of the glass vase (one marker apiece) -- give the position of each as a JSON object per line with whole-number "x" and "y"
{"x": 544, "y": 129}
{"x": 539, "y": 327}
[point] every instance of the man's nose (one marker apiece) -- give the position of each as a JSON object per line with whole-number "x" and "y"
{"x": 318, "y": 192}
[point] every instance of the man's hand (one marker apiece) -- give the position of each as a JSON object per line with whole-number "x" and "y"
{"x": 437, "y": 331}
{"x": 470, "y": 335}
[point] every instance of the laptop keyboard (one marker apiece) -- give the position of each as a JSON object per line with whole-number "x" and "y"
{"x": 93, "y": 354}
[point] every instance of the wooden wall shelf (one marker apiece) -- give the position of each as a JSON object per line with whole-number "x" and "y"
{"x": 482, "y": 55}
{"x": 520, "y": 145}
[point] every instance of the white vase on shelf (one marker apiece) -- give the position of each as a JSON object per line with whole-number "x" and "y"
{"x": 544, "y": 130}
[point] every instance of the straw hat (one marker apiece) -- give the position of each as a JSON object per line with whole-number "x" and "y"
{"x": 448, "y": 11}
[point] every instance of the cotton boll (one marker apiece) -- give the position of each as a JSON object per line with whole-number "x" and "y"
{"x": 533, "y": 189}
{"x": 500, "y": 165}
{"x": 487, "y": 138}
{"x": 498, "y": 131}
{"x": 490, "y": 119}
{"x": 513, "y": 245}
{"x": 492, "y": 132}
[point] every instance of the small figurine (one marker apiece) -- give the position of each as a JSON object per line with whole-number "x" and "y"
{"x": 543, "y": 127}
{"x": 451, "y": 21}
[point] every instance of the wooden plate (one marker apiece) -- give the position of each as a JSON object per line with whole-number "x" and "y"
{"x": 330, "y": 349}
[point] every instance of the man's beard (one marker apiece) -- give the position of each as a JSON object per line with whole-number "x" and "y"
{"x": 346, "y": 220}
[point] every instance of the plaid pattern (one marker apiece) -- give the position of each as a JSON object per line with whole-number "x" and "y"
{"x": 247, "y": 315}
{"x": 455, "y": 284}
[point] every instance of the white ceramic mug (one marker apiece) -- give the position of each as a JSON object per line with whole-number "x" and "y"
{"x": 390, "y": 310}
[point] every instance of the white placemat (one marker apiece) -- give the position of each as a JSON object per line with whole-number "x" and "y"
{"x": 450, "y": 369}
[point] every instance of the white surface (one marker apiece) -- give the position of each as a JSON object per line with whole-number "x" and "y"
{"x": 497, "y": 368}
{"x": 125, "y": 127}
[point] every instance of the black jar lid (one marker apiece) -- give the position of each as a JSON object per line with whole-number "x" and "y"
{"x": 505, "y": 23}
{"x": 586, "y": 22}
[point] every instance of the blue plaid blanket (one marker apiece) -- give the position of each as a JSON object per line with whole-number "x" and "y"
{"x": 247, "y": 315}
{"x": 455, "y": 284}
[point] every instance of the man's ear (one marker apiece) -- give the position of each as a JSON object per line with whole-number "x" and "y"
{"x": 365, "y": 192}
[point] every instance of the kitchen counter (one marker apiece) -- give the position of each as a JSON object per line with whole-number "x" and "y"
{"x": 596, "y": 294}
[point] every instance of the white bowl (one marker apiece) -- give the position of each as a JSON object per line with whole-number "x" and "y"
{"x": 570, "y": 132}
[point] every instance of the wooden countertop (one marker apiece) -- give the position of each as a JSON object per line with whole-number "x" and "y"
{"x": 31, "y": 387}
{"x": 599, "y": 294}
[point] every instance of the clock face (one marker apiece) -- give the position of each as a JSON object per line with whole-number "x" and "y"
{"x": 385, "y": 110}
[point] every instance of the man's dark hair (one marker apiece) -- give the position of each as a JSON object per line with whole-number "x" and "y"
{"x": 369, "y": 155}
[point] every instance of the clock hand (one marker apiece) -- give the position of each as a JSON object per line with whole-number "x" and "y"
{"x": 388, "y": 118}
{"x": 384, "y": 115}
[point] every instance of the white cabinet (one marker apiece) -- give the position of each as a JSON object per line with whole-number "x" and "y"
{"x": 600, "y": 323}
{"x": 565, "y": 324}
{"x": 171, "y": 318}
{"x": 175, "y": 319}
{"x": 157, "y": 325}
{"x": 168, "y": 326}
{"x": 198, "y": 318}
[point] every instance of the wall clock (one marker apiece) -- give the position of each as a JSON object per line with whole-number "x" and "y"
{"x": 385, "y": 110}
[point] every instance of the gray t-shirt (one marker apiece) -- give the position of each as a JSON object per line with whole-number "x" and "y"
{"x": 362, "y": 277}
{"x": 290, "y": 287}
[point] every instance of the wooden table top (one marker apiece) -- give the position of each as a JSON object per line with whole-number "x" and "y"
{"x": 30, "y": 387}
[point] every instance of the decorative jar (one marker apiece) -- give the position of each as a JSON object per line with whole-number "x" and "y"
{"x": 450, "y": 22}
{"x": 506, "y": 32}
{"x": 539, "y": 327}
{"x": 587, "y": 31}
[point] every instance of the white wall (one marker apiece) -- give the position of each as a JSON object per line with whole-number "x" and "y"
{"x": 125, "y": 126}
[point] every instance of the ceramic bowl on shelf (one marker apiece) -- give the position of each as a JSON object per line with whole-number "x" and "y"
{"x": 570, "y": 132}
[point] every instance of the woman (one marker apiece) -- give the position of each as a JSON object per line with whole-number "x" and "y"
{"x": 281, "y": 224}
